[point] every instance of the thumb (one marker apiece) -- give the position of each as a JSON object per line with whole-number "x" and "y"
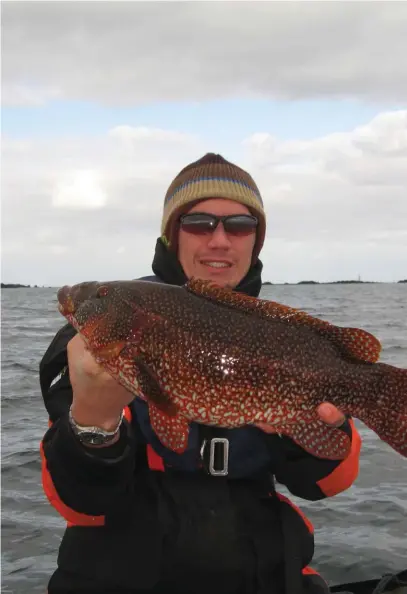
{"x": 330, "y": 415}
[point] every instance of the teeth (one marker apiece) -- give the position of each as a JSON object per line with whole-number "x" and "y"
{"x": 217, "y": 264}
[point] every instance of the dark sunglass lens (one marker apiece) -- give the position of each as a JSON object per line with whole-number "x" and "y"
{"x": 240, "y": 224}
{"x": 198, "y": 223}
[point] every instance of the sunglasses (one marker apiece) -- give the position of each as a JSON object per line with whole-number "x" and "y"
{"x": 200, "y": 223}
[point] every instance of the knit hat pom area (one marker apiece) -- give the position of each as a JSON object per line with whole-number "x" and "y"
{"x": 212, "y": 176}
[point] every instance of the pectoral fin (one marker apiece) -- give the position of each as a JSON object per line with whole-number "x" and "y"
{"x": 171, "y": 428}
{"x": 153, "y": 392}
{"x": 171, "y": 431}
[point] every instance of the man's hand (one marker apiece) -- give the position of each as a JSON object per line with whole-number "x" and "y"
{"x": 97, "y": 398}
{"x": 328, "y": 413}
{"x": 331, "y": 415}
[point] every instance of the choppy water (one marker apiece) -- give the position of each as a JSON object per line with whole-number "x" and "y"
{"x": 360, "y": 534}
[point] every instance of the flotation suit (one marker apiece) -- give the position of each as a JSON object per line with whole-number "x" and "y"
{"x": 234, "y": 457}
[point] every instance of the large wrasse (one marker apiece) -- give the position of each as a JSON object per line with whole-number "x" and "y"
{"x": 211, "y": 355}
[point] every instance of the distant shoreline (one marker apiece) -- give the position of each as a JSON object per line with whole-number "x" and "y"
{"x": 267, "y": 283}
{"x": 18, "y": 286}
{"x": 339, "y": 282}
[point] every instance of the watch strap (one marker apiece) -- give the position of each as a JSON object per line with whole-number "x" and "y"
{"x": 92, "y": 434}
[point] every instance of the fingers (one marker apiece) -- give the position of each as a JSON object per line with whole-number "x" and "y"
{"x": 80, "y": 360}
{"x": 98, "y": 399}
{"x": 327, "y": 412}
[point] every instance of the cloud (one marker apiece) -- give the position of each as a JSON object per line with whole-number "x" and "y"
{"x": 348, "y": 186}
{"x": 25, "y": 95}
{"x": 80, "y": 189}
{"x": 86, "y": 206}
{"x": 132, "y": 52}
{"x": 76, "y": 208}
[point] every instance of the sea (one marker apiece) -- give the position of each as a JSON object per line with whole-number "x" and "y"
{"x": 359, "y": 534}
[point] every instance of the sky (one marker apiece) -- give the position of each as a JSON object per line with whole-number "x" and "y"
{"x": 103, "y": 103}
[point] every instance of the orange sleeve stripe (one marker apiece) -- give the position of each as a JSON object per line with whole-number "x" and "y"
{"x": 346, "y": 473}
{"x": 309, "y": 571}
{"x": 155, "y": 462}
{"x": 307, "y": 522}
{"x": 127, "y": 414}
{"x": 71, "y": 516}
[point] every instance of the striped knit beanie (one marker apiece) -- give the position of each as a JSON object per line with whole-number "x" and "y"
{"x": 211, "y": 177}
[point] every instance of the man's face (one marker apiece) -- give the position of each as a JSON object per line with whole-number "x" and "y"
{"x": 217, "y": 255}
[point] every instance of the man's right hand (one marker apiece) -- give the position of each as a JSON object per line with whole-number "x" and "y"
{"x": 98, "y": 399}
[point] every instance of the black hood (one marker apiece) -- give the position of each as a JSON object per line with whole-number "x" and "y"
{"x": 167, "y": 267}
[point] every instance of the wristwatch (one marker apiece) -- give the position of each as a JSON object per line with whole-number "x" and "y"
{"x": 93, "y": 435}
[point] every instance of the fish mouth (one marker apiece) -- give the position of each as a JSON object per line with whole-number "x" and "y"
{"x": 71, "y": 298}
{"x": 65, "y": 300}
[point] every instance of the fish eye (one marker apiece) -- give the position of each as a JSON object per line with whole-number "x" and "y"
{"x": 102, "y": 291}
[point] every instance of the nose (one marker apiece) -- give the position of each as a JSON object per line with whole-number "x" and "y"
{"x": 219, "y": 238}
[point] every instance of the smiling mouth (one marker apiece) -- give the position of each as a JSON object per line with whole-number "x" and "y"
{"x": 216, "y": 264}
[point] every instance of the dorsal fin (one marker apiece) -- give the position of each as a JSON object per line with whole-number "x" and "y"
{"x": 357, "y": 343}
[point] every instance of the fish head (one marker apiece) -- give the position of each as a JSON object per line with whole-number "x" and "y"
{"x": 111, "y": 318}
{"x": 103, "y": 314}
{"x": 70, "y": 298}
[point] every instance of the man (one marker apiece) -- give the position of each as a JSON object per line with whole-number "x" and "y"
{"x": 143, "y": 519}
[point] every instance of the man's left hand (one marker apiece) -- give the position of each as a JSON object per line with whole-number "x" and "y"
{"x": 327, "y": 412}
{"x": 330, "y": 414}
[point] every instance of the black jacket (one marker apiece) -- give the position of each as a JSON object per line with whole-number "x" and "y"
{"x": 131, "y": 529}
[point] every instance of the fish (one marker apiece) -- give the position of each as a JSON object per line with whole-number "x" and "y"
{"x": 211, "y": 355}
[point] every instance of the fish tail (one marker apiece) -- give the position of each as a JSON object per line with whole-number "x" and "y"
{"x": 386, "y": 411}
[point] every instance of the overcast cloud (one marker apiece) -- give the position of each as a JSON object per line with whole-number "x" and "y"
{"x": 126, "y": 52}
{"x": 90, "y": 207}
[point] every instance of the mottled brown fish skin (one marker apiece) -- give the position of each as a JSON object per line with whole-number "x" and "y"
{"x": 204, "y": 354}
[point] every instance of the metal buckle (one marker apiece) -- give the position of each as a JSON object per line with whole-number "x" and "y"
{"x": 213, "y": 442}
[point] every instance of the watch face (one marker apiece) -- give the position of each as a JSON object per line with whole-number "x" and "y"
{"x": 93, "y": 438}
